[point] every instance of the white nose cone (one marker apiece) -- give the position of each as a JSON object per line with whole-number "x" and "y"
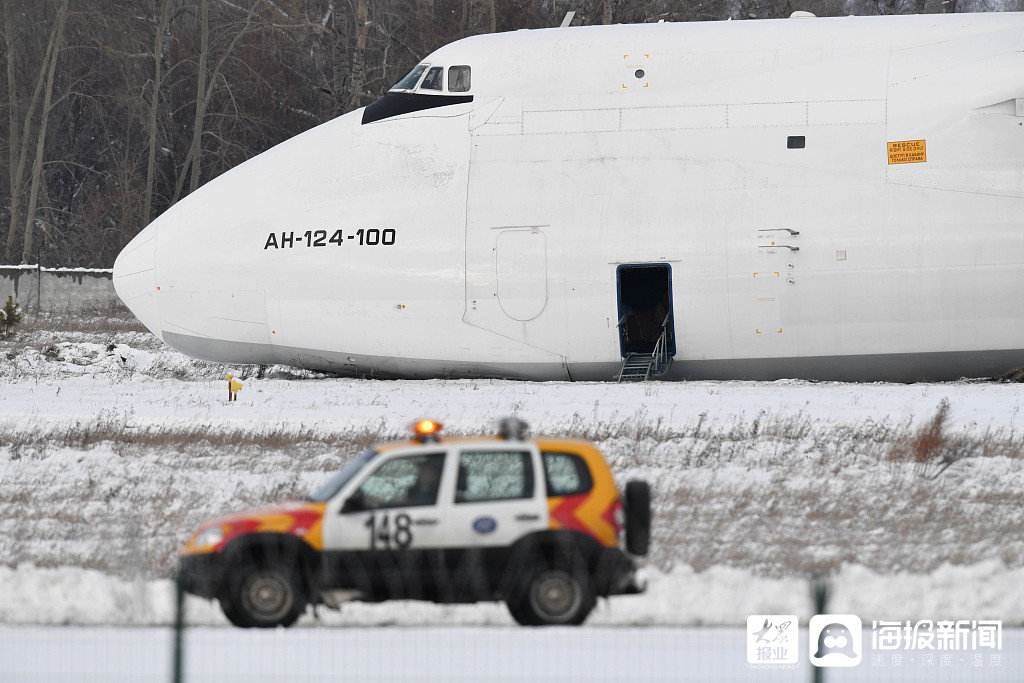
{"x": 135, "y": 278}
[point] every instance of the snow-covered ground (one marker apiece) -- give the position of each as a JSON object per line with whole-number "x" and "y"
{"x": 113, "y": 448}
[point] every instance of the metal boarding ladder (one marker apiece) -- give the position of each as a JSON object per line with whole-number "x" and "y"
{"x": 643, "y": 366}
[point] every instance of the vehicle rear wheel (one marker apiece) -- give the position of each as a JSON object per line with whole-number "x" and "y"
{"x": 552, "y": 597}
{"x": 637, "y": 506}
{"x": 263, "y": 597}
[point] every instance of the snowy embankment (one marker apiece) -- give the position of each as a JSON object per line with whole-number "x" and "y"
{"x": 113, "y": 448}
{"x": 719, "y": 596}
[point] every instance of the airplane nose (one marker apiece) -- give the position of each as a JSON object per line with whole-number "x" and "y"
{"x": 135, "y": 278}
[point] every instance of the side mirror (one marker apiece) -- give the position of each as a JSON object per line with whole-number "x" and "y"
{"x": 355, "y": 503}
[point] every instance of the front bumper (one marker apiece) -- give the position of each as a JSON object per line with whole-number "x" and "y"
{"x": 202, "y": 573}
{"x": 616, "y": 574}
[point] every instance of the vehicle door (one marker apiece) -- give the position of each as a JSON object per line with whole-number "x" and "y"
{"x": 498, "y": 498}
{"x": 384, "y": 531}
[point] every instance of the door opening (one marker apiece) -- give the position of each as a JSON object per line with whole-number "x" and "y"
{"x": 645, "y": 309}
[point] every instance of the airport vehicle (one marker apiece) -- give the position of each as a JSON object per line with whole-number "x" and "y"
{"x": 536, "y": 523}
{"x": 821, "y": 198}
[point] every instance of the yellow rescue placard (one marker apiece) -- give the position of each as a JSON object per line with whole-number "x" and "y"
{"x": 907, "y": 152}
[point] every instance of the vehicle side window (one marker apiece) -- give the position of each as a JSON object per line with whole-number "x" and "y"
{"x": 458, "y": 79}
{"x": 403, "y": 482}
{"x": 432, "y": 81}
{"x": 566, "y": 474}
{"x": 494, "y": 475}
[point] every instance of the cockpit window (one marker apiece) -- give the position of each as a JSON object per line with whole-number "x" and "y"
{"x": 432, "y": 81}
{"x": 411, "y": 78}
{"x": 458, "y": 79}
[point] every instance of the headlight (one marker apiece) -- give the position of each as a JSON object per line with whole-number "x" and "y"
{"x": 210, "y": 537}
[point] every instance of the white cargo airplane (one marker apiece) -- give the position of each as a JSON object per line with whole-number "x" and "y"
{"x": 812, "y": 198}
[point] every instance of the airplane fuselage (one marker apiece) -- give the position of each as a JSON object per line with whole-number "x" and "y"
{"x": 811, "y": 198}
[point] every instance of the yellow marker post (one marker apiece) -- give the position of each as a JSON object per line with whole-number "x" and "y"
{"x": 234, "y": 386}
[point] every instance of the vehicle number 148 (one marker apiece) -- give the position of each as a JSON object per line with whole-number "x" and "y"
{"x": 385, "y": 534}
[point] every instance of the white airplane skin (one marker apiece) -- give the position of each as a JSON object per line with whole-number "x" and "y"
{"x": 809, "y": 198}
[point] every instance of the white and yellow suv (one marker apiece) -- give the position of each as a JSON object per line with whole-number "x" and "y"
{"x": 536, "y": 523}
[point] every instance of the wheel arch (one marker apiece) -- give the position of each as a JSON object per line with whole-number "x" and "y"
{"x": 554, "y": 540}
{"x": 270, "y": 548}
{"x": 552, "y": 546}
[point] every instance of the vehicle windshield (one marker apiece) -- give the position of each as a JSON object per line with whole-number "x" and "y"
{"x": 411, "y": 78}
{"x": 342, "y": 477}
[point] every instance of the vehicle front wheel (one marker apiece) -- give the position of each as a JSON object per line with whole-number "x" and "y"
{"x": 552, "y": 597}
{"x": 263, "y": 597}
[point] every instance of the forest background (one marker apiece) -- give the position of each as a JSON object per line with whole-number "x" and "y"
{"x": 116, "y": 109}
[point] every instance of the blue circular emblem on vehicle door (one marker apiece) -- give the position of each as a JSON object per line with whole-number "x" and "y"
{"x": 484, "y": 525}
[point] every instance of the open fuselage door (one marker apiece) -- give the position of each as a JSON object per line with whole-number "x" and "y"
{"x": 646, "y": 327}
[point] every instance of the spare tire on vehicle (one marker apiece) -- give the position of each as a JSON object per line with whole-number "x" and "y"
{"x": 637, "y": 506}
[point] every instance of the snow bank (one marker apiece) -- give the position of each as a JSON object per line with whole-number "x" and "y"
{"x": 719, "y": 596}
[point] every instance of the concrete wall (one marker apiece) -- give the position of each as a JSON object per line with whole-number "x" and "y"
{"x": 57, "y": 289}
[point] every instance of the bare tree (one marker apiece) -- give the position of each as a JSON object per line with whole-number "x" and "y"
{"x": 357, "y": 67}
{"x": 203, "y": 93}
{"x": 154, "y": 105}
{"x": 195, "y": 152}
{"x": 21, "y": 143}
{"x": 37, "y": 163}
{"x": 492, "y": 16}
{"x": 12, "y": 129}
